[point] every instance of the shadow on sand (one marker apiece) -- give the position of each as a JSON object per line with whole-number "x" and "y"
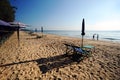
{"x": 47, "y": 64}
{"x": 5, "y": 36}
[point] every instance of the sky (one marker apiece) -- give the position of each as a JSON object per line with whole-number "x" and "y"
{"x": 68, "y": 14}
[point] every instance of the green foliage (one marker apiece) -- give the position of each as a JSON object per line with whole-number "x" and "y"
{"x": 7, "y": 12}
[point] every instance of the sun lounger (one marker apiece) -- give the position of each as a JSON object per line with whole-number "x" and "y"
{"x": 89, "y": 48}
{"x": 77, "y": 53}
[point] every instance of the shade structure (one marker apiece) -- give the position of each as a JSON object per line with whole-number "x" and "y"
{"x": 3, "y": 23}
{"x": 6, "y": 27}
{"x": 18, "y": 25}
{"x": 5, "y": 31}
{"x": 83, "y": 31}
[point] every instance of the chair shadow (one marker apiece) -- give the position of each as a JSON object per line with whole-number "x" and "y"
{"x": 47, "y": 64}
{"x": 36, "y": 37}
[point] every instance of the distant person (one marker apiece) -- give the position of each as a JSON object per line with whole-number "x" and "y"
{"x": 94, "y": 36}
{"x": 35, "y": 29}
{"x": 97, "y": 36}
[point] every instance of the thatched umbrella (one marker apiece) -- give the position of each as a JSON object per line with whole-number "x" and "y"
{"x": 3, "y": 23}
{"x": 18, "y": 25}
{"x": 83, "y": 31}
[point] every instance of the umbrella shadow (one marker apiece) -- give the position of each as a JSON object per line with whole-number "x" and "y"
{"x": 47, "y": 64}
{"x": 5, "y": 36}
{"x": 54, "y": 62}
{"x": 35, "y": 37}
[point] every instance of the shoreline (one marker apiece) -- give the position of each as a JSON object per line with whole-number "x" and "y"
{"x": 72, "y": 37}
{"x": 43, "y": 58}
{"x": 103, "y": 35}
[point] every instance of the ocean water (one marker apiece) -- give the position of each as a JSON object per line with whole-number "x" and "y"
{"x": 103, "y": 35}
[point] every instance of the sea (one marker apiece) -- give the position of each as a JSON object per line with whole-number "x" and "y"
{"x": 113, "y": 36}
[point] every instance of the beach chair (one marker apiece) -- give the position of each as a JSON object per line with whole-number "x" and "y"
{"x": 77, "y": 53}
{"x": 89, "y": 48}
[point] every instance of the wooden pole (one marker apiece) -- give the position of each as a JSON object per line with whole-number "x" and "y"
{"x": 82, "y": 41}
{"x": 18, "y": 35}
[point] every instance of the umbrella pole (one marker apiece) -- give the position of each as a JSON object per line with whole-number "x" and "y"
{"x": 18, "y": 36}
{"x": 82, "y": 41}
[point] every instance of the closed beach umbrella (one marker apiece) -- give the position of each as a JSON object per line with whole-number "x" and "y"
{"x": 42, "y": 31}
{"x": 83, "y": 30}
{"x": 83, "y": 27}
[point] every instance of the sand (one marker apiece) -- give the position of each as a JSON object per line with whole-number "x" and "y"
{"x": 44, "y": 59}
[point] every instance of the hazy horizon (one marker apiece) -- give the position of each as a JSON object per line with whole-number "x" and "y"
{"x": 68, "y": 14}
{"x": 45, "y": 28}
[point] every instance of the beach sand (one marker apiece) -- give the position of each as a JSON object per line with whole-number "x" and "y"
{"x": 44, "y": 59}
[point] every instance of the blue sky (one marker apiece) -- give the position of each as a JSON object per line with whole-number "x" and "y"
{"x": 68, "y": 14}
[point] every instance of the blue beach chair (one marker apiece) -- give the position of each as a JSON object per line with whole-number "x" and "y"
{"x": 89, "y": 48}
{"x": 77, "y": 53}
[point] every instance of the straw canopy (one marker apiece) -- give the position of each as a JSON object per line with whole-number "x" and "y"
{"x": 3, "y": 23}
{"x": 6, "y": 27}
{"x": 16, "y": 24}
{"x": 11, "y": 27}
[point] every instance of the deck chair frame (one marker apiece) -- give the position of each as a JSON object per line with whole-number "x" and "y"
{"x": 75, "y": 54}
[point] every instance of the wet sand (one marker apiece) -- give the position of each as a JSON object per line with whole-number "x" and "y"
{"x": 44, "y": 59}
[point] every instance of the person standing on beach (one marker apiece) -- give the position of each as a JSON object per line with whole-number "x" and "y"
{"x": 97, "y": 36}
{"x": 93, "y": 36}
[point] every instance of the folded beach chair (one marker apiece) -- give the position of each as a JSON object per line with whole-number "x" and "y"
{"x": 77, "y": 53}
